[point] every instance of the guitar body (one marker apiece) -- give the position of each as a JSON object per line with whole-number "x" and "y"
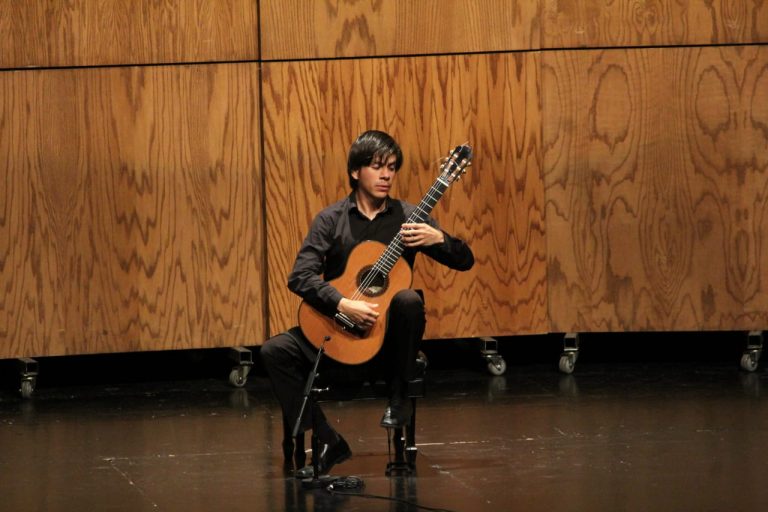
{"x": 346, "y": 345}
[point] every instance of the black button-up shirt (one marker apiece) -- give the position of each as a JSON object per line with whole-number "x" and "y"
{"x": 337, "y": 229}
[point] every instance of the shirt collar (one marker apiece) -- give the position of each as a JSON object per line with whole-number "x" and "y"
{"x": 353, "y": 204}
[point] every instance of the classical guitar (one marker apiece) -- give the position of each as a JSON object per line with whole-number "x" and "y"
{"x": 375, "y": 273}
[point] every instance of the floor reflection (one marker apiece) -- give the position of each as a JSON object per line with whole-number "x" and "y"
{"x": 645, "y": 436}
{"x": 402, "y": 496}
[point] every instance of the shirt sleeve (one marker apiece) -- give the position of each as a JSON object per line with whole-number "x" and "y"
{"x": 453, "y": 252}
{"x": 306, "y": 278}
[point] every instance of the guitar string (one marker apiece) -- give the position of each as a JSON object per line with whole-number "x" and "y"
{"x": 390, "y": 255}
{"x": 396, "y": 245}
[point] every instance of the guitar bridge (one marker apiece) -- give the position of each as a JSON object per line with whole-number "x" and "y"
{"x": 348, "y": 325}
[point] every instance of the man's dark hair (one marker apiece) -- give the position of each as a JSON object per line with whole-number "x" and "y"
{"x": 370, "y": 147}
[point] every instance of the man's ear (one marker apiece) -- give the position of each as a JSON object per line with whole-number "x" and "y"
{"x": 355, "y": 174}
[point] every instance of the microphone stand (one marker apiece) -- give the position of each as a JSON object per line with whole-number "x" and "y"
{"x": 310, "y": 392}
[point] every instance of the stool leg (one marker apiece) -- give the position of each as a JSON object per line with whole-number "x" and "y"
{"x": 404, "y": 441}
{"x": 396, "y": 463}
{"x": 410, "y": 439}
{"x": 399, "y": 440}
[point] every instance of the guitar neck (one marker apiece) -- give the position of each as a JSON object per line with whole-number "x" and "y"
{"x": 395, "y": 248}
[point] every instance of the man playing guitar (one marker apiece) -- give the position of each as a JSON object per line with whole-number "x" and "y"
{"x": 368, "y": 213}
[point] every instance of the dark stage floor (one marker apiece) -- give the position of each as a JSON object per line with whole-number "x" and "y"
{"x": 646, "y": 422}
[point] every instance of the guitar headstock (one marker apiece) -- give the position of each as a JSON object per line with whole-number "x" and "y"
{"x": 455, "y": 165}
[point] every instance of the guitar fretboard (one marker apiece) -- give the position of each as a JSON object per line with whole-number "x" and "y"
{"x": 395, "y": 248}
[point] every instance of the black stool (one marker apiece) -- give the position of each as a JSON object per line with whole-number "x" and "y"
{"x": 402, "y": 440}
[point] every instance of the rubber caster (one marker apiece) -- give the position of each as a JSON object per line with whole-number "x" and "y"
{"x": 28, "y": 369}
{"x": 239, "y": 376}
{"x": 243, "y": 359}
{"x": 497, "y": 366}
{"x": 754, "y": 350}
{"x": 567, "y": 363}
{"x": 27, "y": 388}
{"x": 749, "y": 361}
{"x": 570, "y": 353}
{"x": 490, "y": 352}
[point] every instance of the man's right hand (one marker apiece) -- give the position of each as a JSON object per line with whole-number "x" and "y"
{"x": 363, "y": 313}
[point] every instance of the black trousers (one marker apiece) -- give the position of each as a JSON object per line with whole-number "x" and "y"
{"x": 288, "y": 359}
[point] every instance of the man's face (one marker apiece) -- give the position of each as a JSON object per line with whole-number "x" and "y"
{"x": 376, "y": 180}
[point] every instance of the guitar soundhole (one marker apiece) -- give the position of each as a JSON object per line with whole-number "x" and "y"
{"x": 372, "y": 282}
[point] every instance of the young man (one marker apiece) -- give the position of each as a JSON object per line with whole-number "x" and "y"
{"x": 368, "y": 213}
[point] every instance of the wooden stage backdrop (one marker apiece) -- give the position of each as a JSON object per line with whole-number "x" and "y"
{"x": 162, "y": 160}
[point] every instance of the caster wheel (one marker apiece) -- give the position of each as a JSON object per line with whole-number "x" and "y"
{"x": 497, "y": 366}
{"x": 749, "y": 362}
{"x": 237, "y": 377}
{"x": 567, "y": 364}
{"x": 27, "y": 388}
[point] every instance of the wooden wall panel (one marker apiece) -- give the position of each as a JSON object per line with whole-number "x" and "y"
{"x": 130, "y": 209}
{"x": 602, "y": 23}
{"x": 656, "y": 176}
{"x": 313, "y": 111}
{"x": 304, "y": 29}
{"x": 38, "y": 33}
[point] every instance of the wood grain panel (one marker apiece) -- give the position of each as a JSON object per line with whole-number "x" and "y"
{"x": 302, "y": 29}
{"x": 39, "y": 33}
{"x": 602, "y": 23}
{"x": 656, "y": 176}
{"x": 313, "y": 111}
{"x": 129, "y": 215}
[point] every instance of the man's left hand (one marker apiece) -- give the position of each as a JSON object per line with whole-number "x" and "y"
{"x": 420, "y": 235}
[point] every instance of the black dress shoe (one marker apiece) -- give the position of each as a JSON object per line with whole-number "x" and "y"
{"x": 330, "y": 455}
{"x": 398, "y": 414}
{"x": 304, "y": 473}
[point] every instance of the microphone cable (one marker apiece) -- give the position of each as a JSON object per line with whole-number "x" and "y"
{"x": 343, "y": 485}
